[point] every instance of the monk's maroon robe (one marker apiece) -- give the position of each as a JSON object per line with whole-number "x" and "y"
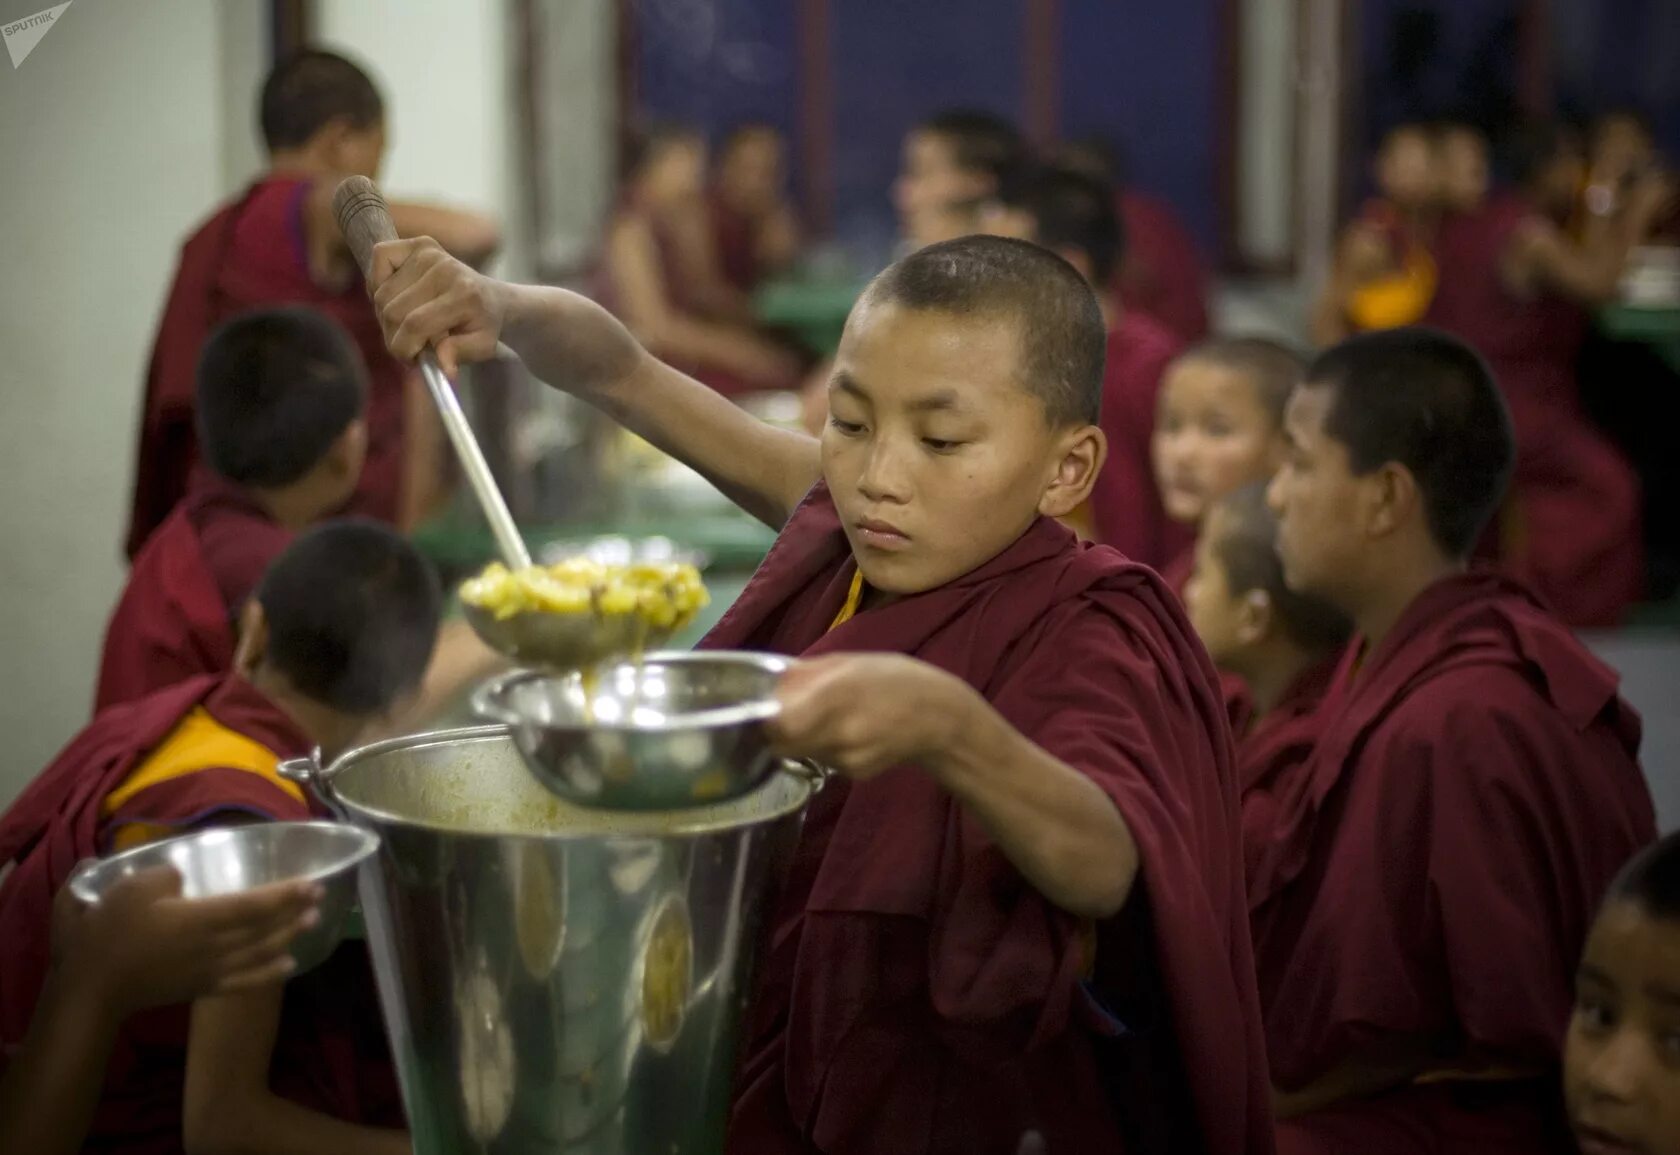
{"x": 1431, "y": 870}
{"x": 916, "y": 994}
{"x": 1162, "y": 275}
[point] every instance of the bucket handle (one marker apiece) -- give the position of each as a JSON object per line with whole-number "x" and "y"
{"x": 486, "y": 700}
{"x": 308, "y": 772}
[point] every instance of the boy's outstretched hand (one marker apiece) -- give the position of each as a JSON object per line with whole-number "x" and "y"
{"x": 862, "y": 714}
{"x": 425, "y": 297}
{"x": 143, "y": 945}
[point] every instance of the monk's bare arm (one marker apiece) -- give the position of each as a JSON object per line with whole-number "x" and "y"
{"x": 426, "y": 298}
{"x": 1358, "y": 1077}
{"x": 1053, "y": 823}
{"x": 228, "y": 1108}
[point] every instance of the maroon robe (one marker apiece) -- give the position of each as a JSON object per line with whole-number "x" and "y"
{"x": 735, "y": 235}
{"x": 1431, "y": 870}
{"x": 1125, "y": 504}
{"x": 253, "y": 254}
{"x": 1162, "y": 274}
{"x": 1271, "y": 747}
{"x": 330, "y": 1054}
{"x": 916, "y": 995}
{"x": 177, "y": 615}
{"x": 1575, "y": 498}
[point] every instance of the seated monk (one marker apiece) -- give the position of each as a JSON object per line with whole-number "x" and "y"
{"x": 280, "y": 401}
{"x": 1162, "y": 275}
{"x": 1516, "y": 286}
{"x": 754, "y": 231}
{"x": 1461, "y": 154}
{"x": 1218, "y": 427}
{"x": 141, "y": 946}
{"x": 952, "y": 164}
{"x": 1619, "y": 1069}
{"x": 277, "y": 243}
{"x": 1277, "y": 648}
{"x": 338, "y": 633}
{"x": 1384, "y": 273}
{"x": 279, "y": 404}
{"x": 1017, "y": 905}
{"x": 1421, "y": 893}
{"x": 658, "y": 277}
{"x": 1073, "y": 216}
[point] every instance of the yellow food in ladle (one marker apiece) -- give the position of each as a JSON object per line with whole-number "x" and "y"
{"x": 666, "y": 595}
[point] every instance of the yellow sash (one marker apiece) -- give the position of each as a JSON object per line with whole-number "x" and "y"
{"x": 853, "y": 599}
{"x": 198, "y": 743}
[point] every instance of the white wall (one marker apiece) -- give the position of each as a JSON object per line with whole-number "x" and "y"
{"x": 110, "y": 149}
{"x": 444, "y": 67}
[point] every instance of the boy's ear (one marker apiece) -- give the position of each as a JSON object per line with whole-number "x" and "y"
{"x": 1255, "y": 614}
{"x": 252, "y": 647}
{"x": 1082, "y": 452}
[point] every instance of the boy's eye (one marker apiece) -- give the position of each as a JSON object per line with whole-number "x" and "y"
{"x": 1594, "y": 1015}
{"x": 940, "y": 445}
{"x": 1670, "y": 1042}
{"x": 849, "y": 428}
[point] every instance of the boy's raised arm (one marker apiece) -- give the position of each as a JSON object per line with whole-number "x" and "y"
{"x": 425, "y": 297}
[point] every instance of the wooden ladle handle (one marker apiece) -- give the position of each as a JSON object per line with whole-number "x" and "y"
{"x": 364, "y": 219}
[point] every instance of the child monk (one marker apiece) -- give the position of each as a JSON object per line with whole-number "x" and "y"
{"x": 1017, "y": 905}
{"x": 279, "y": 406}
{"x": 1162, "y": 273}
{"x": 1516, "y": 285}
{"x": 754, "y": 231}
{"x": 338, "y": 634}
{"x": 1217, "y": 428}
{"x": 1428, "y": 877}
{"x": 1384, "y": 273}
{"x": 141, "y": 946}
{"x": 659, "y": 272}
{"x": 1281, "y": 647}
{"x": 1621, "y": 1064}
{"x": 277, "y": 243}
{"x": 952, "y": 164}
{"x": 1461, "y": 154}
{"x": 1073, "y": 216}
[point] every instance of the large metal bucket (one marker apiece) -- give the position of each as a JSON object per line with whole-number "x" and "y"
{"x": 556, "y": 979}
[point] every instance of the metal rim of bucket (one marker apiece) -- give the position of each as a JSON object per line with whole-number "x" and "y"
{"x": 629, "y": 823}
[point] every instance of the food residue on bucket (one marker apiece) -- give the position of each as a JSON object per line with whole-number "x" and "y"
{"x": 667, "y": 966}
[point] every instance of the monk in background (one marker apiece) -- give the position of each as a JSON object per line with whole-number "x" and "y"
{"x": 1073, "y": 216}
{"x": 1384, "y": 272}
{"x": 1017, "y": 905}
{"x": 338, "y": 635}
{"x": 280, "y": 410}
{"x": 1461, "y": 151}
{"x": 953, "y": 163}
{"x": 659, "y": 273}
{"x": 1218, "y": 427}
{"x": 1280, "y": 647}
{"x": 1163, "y": 275}
{"x": 755, "y": 232}
{"x": 1518, "y": 287}
{"x": 1421, "y": 891}
{"x": 277, "y": 243}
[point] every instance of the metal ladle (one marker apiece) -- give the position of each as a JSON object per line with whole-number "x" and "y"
{"x": 571, "y": 641}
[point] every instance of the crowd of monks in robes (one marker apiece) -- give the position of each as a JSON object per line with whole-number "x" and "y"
{"x": 1196, "y": 787}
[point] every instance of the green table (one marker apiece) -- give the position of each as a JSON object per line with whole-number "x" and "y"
{"x": 813, "y": 309}
{"x": 1656, "y": 327}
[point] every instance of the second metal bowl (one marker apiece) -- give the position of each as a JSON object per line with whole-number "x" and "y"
{"x": 673, "y": 731}
{"x": 231, "y": 859}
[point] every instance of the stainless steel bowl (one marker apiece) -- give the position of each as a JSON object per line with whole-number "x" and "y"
{"x": 231, "y": 859}
{"x": 673, "y": 731}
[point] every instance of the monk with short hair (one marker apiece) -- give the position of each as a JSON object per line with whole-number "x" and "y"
{"x": 338, "y": 635}
{"x": 276, "y": 243}
{"x": 1017, "y": 905}
{"x": 1421, "y": 891}
{"x": 280, "y": 401}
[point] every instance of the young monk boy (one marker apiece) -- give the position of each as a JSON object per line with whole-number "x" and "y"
{"x": 952, "y": 163}
{"x": 279, "y": 408}
{"x": 753, "y": 227}
{"x": 1073, "y": 216}
{"x": 1514, "y": 284}
{"x": 141, "y": 946}
{"x": 1384, "y": 273}
{"x": 1282, "y": 647}
{"x": 339, "y": 633}
{"x": 277, "y": 244}
{"x": 1017, "y": 906}
{"x": 1621, "y": 1065}
{"x": 1218, "y": 427}
{"x": 1422, "y": 894}
{"x": 1465, "y": 169}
